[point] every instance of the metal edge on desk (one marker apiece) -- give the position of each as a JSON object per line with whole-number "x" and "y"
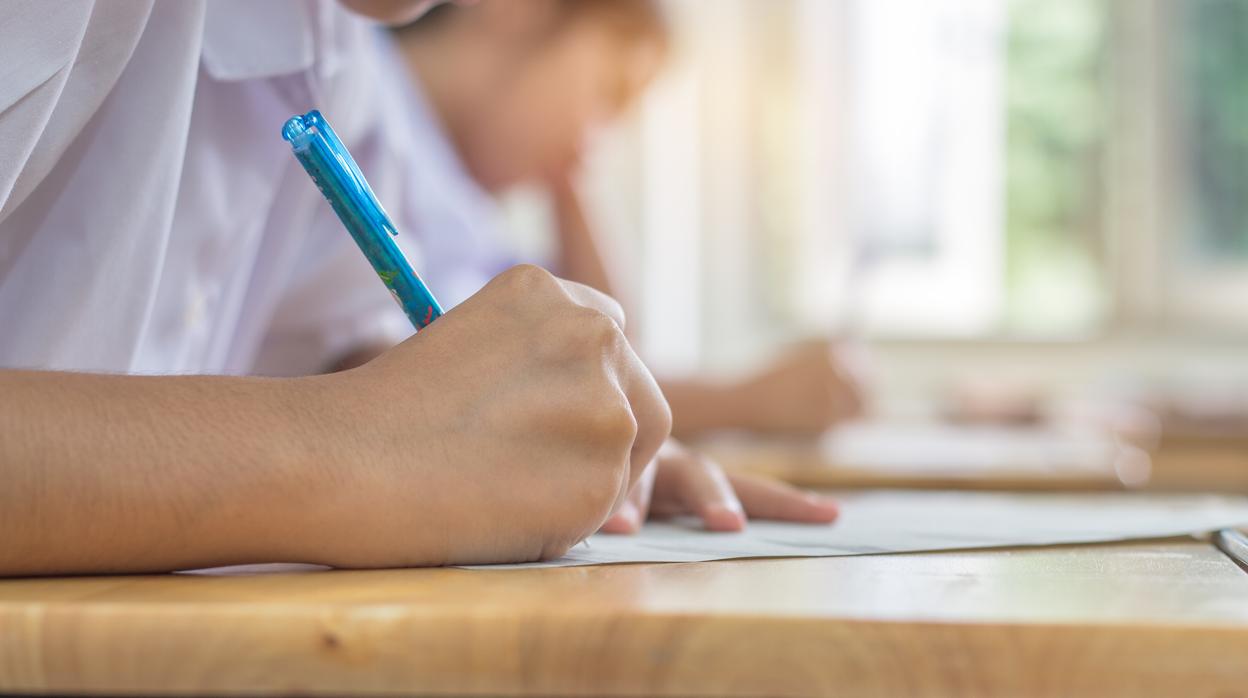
{"x": 1234, "y": 544}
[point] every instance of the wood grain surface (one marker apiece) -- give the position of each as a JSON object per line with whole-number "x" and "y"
{"x": 1146, "y": 618}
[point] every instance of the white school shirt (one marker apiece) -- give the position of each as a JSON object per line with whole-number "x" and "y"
{"x": 152, "y": 220}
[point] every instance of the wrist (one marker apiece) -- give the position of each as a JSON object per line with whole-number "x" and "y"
{"x": 251, "y": 486}
{"x": 357, "y": 478}
{"x": 310, "y": 446}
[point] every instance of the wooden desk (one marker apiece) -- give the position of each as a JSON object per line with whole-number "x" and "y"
{"x": 1156, "y": 618}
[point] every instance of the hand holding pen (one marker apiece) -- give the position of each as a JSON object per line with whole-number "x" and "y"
{"x": 508, "y": 430}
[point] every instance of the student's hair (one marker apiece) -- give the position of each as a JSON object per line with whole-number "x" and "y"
{"x": 641, "y": 20}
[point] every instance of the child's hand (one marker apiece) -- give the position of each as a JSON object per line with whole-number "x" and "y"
{"x": 683, "y": 482}
{"x": 506, "y": 431}
{"x": 805, "y": 391}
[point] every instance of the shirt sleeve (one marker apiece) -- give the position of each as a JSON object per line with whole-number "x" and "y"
{"x": 58, "y": 61}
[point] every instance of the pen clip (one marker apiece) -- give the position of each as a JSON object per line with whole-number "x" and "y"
{"x": 306, "y": 132}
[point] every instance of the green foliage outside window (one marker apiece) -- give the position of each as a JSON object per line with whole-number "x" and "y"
{"x": 1056, "y": 122}
{"x": 1212, "y": 84}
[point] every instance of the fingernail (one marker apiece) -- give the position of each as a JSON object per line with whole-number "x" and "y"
{"x": 625, "y": 520}
{"x": 823, "y": 508}
{"x": 721, "y": 517}
{"x": 630, "y": 517}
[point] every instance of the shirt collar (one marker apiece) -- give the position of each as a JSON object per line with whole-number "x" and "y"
{"x": 246, "y": 39}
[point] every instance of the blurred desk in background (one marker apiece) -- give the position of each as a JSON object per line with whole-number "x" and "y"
{"x": 943, "y": 456}
{"x": 1203, "y": 442}
{"x": 1201, "y": 462}
{"x": 1158, "y": 618}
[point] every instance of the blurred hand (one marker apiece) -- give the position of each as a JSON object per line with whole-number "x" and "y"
{"x": 684, "y": 482}
{"x": 507, "y": 431}
{"x": 805, "y": 391}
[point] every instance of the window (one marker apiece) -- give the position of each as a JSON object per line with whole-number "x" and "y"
{"x": 1212, "y": 96}
{"x": 1208, "y": 94}
{"x": 1057, "y": 121}
{"x": 949, "y": 169}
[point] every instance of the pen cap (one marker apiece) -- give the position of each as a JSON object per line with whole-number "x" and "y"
{"x": 314, "y": 140}
{"x": 335, "y": 173}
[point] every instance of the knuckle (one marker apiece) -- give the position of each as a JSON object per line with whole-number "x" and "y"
{"x": 597, "y": 329}
{"x": 663, "y": 418}
{"x": 528, "y": 277}
{"x": 614, "y": 422}
{"x": 582, "y": 334}
{"x": 616, "y": 310}
{"x": 577, "y": 337}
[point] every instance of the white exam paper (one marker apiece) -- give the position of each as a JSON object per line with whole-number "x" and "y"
{"x": 894, "y": 522}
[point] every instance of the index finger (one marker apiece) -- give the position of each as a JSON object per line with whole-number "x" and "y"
{"x": 764, "y": 498}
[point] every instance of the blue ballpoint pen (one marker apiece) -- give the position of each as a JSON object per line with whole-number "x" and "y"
{"x": 334, "y": 171}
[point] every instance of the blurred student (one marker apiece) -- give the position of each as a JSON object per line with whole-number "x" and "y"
{"x": 155, "y": 231}
{"x": 504, "y": 93}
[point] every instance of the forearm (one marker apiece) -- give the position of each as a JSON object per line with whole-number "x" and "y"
{"x": 579, "y": 260}
{"x": 699, "y": 406}
{"x": 356, "y": 357}
{"x": 125, "y": 474}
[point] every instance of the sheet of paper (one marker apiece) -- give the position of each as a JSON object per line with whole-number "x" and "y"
{"x": 893, "y": 522}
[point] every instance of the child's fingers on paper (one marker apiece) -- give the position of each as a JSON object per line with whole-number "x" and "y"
{"x": 696, "y": 485}
{"x": 643, "y": 491}
{"x": 764, "y": 498}
{"x": 626, "y": 520}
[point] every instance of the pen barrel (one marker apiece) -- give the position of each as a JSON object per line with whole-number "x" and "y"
{"x": 391, "y": 265}
{"x": 333, "y": 170}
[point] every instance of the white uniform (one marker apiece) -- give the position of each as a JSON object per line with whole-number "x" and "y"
{"x": 152, "y": 220}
